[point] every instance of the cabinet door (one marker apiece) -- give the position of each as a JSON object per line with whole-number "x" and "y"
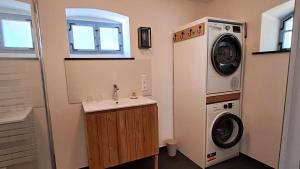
{"x": 121, "y": 136}
{"x": 148, "y": 120}
{"x": 102, "y": 139}
{"x": 137, "y": 132}
{"x": 94, "y": 153}
{"x": 107, "y": 133}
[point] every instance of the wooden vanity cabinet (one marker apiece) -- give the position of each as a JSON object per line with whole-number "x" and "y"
{"x": 119, "y": 136}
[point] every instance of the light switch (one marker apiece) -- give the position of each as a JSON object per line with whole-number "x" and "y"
{"x": 144, "y": 82}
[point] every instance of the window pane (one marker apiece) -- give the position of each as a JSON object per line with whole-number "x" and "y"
{"x": 109, "y": 39}
{"x": 17, "y": 34}
{"x": 83, "y": 37}
{"x": 288, "y": 25}
{"x": 287, "y": 40}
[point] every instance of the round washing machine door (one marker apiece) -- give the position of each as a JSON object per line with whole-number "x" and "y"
{"x": 227, "y": 130}
{"x": 226, "y": 54}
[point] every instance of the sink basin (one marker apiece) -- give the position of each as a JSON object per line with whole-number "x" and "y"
{"x": 89, "y": 107}
{"x": 14, "y": 116}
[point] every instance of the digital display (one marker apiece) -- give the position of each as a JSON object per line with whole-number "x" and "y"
{"x": 236, "y": 29}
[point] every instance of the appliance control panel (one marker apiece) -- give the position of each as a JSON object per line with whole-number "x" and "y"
{"x": 233, "y": 28}
{"x": 226, "y": 27}
{"x": 229, "y": 105}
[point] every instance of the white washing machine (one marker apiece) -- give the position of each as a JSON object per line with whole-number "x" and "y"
{"x": 225, "y": 56}
{"x": 224, "y": 131}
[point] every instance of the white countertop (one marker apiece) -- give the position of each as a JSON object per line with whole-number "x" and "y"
{"x": 14, "y": 116}
{"x": 90, "y": 107}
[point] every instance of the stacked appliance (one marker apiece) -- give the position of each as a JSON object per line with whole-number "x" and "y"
{"x": 208, "y": 69}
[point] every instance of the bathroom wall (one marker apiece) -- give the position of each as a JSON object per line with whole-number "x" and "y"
{"x": 265, "y": 81}
{"x": 126, "y": 74}
{"x": 67, "y": 119}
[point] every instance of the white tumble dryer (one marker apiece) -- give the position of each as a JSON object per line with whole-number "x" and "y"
{"x": 225, "y": 55}
{"x": 224, "y": 131}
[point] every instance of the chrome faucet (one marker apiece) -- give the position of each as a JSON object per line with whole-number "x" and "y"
{"x": 115, "y": 93}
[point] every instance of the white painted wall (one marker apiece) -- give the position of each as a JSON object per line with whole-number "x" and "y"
{"x": 269, "y": 36}
{"x": 67, "y": 119}
{"x": 97, "y": 78}
{"x": 290, "y": 152}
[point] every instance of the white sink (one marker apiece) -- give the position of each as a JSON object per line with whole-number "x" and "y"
{"x": 14, "y": 116}
{"x": 89, "y": 107}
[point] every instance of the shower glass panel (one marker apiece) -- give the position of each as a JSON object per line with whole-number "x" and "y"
{"x": 24, "y": 122}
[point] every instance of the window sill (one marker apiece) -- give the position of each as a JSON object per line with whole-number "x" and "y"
{"x": 18, "y": 56}
{"x": 272, "y": 52}
{"x": 99, "y": 58}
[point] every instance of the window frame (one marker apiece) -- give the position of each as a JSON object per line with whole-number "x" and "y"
{"x": 282, "y": 30}
{"x": 16, "y": 17}
{"x": 96, "y": 27}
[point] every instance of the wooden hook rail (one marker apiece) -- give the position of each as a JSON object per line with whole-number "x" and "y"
{"x": 194, "y": 31}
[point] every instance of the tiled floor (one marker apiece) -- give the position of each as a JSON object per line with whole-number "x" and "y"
{"x": 182, "y": 162}
{"x": 241, "y": 162}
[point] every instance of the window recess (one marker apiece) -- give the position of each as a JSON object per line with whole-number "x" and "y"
{"x": 16, "y": 34}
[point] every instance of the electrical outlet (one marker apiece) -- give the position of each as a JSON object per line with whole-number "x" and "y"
{"x": 144, "y": 82}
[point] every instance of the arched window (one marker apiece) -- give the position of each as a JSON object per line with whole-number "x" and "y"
{"x": 286, "y": 31}
{"x": 97, "y": 33}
